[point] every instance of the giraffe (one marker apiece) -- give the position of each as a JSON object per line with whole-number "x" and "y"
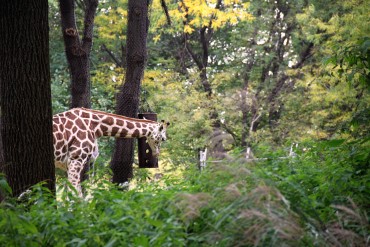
{"x": 76, "y": 132}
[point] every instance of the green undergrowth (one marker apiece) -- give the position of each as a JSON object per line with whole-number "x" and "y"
{"x": 318, "y": 198}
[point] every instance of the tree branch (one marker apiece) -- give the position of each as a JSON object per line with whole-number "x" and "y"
{"x": 305, "y": 54}
{"x": 206, "y": 34}
{"x": 230, "y": 131}
{"x": 205, "y": 44}
{"x": 165, "y": 9}
{"x": 186, "y": 38}
{"x": 256, "y": 117}
{"x": 192, "y": 54}
{"x": 116, "y": 60}
{"x": 90, "y": 9}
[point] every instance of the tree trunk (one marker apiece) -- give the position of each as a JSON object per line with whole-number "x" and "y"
{"x": 25, "y": 95}
{"x": 77, "y": 50}
{"x": 2, "y": 196}
{"x": 1, "y": 149}
{"x": 128, "y": 98}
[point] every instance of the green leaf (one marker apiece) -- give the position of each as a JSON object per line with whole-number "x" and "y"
{"x": 4, "y": 186}
{"x": 334, "y": 143}
{"x": 111, "y": 242}
{"x": 28, "y": 226}
{"x": 155, "y": 223}
{"x": 78, "y": 241}
{"x": 141, "y": 241}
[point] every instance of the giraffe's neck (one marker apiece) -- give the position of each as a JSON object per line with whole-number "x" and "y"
{"x": 106, "y": 124}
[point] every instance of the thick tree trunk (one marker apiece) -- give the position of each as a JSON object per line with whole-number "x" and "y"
{"x": 25, "y": 94}
{"x": 128, "y": 98}
{"x": 1, "y": 149}
{"x": 77, "y": 50}
{"x": 2, "y": 196}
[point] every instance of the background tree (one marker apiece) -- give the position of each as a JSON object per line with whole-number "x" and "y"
{"x": 273, "y": 52}
{"x": 25, "y": 95}
{"x": 77, "y": 49}
{"x": 199, "y": 25}
{"x": 336, "y": 81}
{"x": 128, "y": 97}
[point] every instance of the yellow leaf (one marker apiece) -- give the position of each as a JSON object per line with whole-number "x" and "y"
{"x": 157, "y": 38}
{"x": 188, "y": 29}
{"x": 216, "y": 24}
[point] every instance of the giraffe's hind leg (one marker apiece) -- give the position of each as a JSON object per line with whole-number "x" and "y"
{"x": 89, "y": 169}
{"x": 80, "y": 156}
{"x": 78, "y": 171}
{"x": 93, "y": 158}
{"x": 75, "y": 171}
{"x": 85, "y": 172}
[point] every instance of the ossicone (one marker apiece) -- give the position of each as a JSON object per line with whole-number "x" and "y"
{"x": 166, "y": 123}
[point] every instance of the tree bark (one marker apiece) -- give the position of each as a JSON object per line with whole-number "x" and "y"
{"x": 25, "y": 95}
{"x": 2, "y": 196}
{"x": 77, "y": 50}
{"x": 1, "y": 149}
{"x": 128, "y": 97}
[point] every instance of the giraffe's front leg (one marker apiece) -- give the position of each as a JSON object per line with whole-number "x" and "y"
{"x": 75, "y": 173}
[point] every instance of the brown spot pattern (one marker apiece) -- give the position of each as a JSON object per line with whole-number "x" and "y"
{"x": 120, "y": 122}
{"x": 136, "y": 133}
{"x": 104, "y": 128}
{"x": 81, "y": 135}
{"x": 69, "y": 124}
{"x": 115, "y": 130}
{"x": 123, "y": 133}
{"x": 130, "y": 125}
{"x": 109, "y": 121}
{"x": 85, "y": 115}
{"x": 79, "y": 123}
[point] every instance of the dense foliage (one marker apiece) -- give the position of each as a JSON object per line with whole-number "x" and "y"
{"x": 307, "y": 200}
{"x": 289, "y": 80}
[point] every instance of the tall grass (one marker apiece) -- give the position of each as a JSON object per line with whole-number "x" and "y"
{"x": 274, "y": 203}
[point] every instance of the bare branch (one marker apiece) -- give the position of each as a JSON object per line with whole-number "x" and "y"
{"x": 230, "y": 131}
{"x": 205, "y": 44}
{"x": 110, "y": 53}
{"x": 165, "y": 9}
{"x": 192, "y": 54}
{"x": 256, "y": 117}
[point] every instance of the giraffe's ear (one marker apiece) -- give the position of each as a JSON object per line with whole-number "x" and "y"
{"x": 164, "y": 123}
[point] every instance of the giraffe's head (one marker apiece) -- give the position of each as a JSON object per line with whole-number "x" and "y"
{"x": 157, "y": 136}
